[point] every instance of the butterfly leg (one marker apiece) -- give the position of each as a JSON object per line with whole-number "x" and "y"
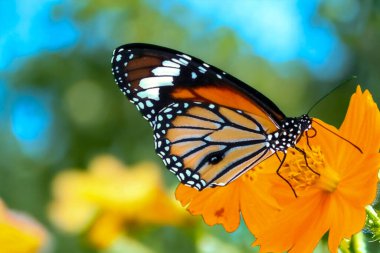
{"x": 310, "y": 136}
{"x": 304, "y": 156}
{"x": 278, "y": 173}
{"x": 279, "y": 159}
{"x": 307, "y": 141}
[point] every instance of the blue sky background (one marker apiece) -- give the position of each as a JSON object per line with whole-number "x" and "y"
{"x": 278, "y": 31}
{"x": 28, "y": 27}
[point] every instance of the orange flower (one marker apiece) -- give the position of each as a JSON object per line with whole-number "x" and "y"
{"x": 222, "y": 205}
{"x": 335, "y": 201}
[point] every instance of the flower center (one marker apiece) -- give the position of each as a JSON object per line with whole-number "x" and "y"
{"x": 297, "y": 173}
{"x": 301, "y": 176}
{"x": 329, "y": 179}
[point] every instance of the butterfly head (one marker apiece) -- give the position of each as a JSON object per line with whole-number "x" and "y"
{"x": 305, "y": 122}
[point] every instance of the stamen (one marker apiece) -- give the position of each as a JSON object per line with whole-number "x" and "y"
{"x": 296, "y": 171}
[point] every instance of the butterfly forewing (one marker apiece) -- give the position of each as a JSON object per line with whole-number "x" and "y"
{"x": 153, "y": 77}
{"x": 209, "y": 127}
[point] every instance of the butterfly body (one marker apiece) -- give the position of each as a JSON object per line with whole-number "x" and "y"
{"x": 288, "y": 135}
{"x": 209, "y": 127}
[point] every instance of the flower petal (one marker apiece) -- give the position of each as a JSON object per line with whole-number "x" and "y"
{"x": 297, "y": 228}
{"x": 362, "y": 121}
{"x": 219, "y": 205}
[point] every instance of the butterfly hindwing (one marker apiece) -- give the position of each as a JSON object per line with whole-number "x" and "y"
{"x": 200, "y": 144}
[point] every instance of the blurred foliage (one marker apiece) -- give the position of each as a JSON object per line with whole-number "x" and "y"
{"x": 90, "y": 116}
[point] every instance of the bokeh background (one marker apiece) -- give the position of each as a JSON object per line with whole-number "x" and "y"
{"x": 62, "y": 118}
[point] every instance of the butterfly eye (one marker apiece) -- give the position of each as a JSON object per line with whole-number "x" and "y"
{"x": 215, "y": 158}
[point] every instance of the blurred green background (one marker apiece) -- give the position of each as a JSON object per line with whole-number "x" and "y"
{"x": 60, "y": 107}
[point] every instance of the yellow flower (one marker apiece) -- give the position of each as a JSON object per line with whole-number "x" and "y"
{"x": 108, "y": 197}
{"x": 19, "y": 233}
{"x": 335, "y": 201}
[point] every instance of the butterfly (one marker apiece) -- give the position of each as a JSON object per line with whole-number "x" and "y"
{"x": 209, "y": 127}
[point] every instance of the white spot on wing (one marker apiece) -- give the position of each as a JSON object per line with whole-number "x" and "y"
{"x": 186, "y": 57}
{"x": 153, "y": 82}
{"x": 149, "y": 103}
{"x": 180, "y": 61}
{"x": 141, "y": 105}
{"x": 170, "y": 64}
{"x": 167, "y": 110}
{"x": 183, "y": 61}
{"x": 149, "y": 93}
{"x": 165, "y": 71}
{"x": 202, "y": 69}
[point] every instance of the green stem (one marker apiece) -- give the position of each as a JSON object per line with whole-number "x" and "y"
{"x": 357, "y": 244}
{"x": 373, "y": 222}
{"x": 372, "y": 214}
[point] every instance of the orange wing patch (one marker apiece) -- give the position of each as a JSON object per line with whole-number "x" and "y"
{"x": 188, "y": 120}
{"x": 182, "y": 134}
{"x": 233, "y": 134}
{"x": 228, "y": 97}
{"x": 203, "y": 112}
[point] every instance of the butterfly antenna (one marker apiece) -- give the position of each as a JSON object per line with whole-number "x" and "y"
{"x": 337, "y": 87}
{"x": 283, "y": 178}
{"x": 355, "y": 146}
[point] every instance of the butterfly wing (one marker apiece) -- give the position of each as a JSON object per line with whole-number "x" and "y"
{"x": 204, "y": 147}
{"x": 209, "y": 127}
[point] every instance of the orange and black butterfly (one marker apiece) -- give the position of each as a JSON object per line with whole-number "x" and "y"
{"x": 209, "y": 127}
